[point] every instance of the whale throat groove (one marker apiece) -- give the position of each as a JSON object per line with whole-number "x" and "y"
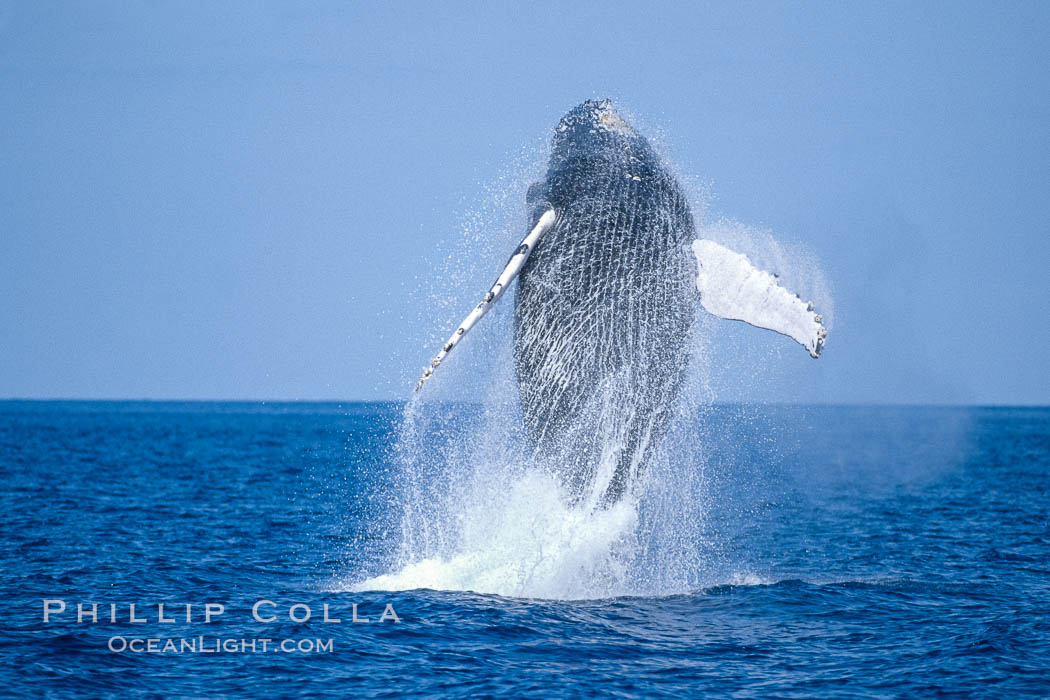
{"x": 604, "y": 306}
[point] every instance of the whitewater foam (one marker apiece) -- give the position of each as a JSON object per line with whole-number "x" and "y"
{"x": 528, "y": 543}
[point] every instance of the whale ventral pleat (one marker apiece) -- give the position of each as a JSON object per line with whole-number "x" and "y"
{"x": 604, "y": 305}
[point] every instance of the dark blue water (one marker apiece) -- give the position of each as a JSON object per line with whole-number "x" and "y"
{"x": 860, "y": 552}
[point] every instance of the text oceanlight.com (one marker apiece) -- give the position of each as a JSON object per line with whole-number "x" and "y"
{"x": 216, "y": 645}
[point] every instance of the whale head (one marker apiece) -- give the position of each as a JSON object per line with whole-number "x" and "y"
{"x": 591, "y": 128}
{"x": 590, "y": 141}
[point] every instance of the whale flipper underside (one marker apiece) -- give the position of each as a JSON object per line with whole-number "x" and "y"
{"x": 732, "y": 288}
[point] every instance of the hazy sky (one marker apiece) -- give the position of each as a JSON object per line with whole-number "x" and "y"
{"x": 224, "y": 200}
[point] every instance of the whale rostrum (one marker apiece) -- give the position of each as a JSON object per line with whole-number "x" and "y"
{"x": 609, "y": 277}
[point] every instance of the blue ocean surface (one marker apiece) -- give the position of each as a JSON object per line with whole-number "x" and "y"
{"x": 841, "y": 552}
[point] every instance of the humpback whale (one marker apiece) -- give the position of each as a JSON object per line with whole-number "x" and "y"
{"x": 609, "y": 276}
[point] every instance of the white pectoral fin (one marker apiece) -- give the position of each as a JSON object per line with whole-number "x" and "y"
{"x": 514, "y": 265}
{"x": 731, "y": 287}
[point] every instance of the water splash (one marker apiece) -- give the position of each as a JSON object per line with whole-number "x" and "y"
{"x": 479, "y": 513}
{"x": 520, "y": 538}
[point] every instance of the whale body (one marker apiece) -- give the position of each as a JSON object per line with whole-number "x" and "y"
{"x": 610, "y": 275}
{"x": 605, "y": 304}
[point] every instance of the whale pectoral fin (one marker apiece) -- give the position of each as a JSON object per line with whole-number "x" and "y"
{"x": 514, "y": 265}
{"x": 732, "y": 288}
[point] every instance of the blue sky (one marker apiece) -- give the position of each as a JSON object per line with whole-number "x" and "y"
{"x": 223, "y": 200}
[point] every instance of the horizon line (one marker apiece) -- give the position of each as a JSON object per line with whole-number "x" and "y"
{"x": 843, "y": 404}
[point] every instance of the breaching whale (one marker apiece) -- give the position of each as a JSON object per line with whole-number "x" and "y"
{"x": 608, "y": 279}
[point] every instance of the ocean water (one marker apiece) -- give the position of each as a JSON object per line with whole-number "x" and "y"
{"x": 795, "y": 552}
